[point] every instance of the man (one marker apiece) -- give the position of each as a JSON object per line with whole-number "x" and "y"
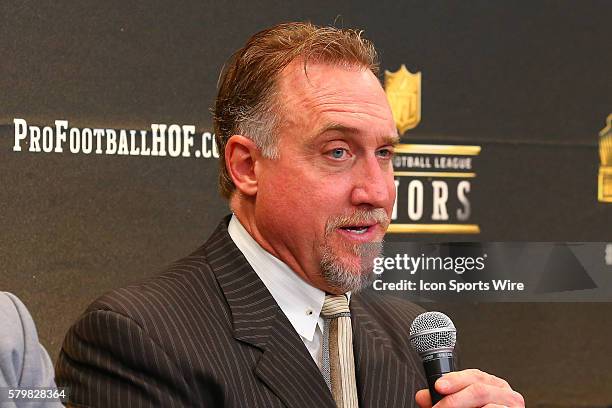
{"x": 24, "y": 363}
{"x": 259, "y": 316}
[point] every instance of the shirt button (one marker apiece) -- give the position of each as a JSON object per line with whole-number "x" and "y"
{"x": 309, "y": 311}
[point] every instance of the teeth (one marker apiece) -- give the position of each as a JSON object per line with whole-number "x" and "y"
{"x": 357, "y": 230}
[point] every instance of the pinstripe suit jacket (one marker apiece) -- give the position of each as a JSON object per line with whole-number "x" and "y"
{"x": 207, "y": 333}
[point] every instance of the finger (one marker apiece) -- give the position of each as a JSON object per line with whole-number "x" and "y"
{"x": 495, "y": 406}
{"x": 480, "y": 394}
{"x": 457, "y": 380}
{"x": 423, "y": 398}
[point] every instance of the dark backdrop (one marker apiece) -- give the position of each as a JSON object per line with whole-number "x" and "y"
{"x": 529, "y": 81}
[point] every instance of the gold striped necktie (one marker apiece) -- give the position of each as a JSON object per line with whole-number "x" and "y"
{"x": 338, "y": 362}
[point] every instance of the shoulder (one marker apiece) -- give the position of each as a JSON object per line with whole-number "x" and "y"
{"x": 186, "y": 288}
{"x": 173, "y": 312}
{"x": 23, "y": 361}
{"x": 164, "y": 332}
{"x": 11, "y": 308}
{"x": 17, "y": 322}
{"x": 144, "y": 333}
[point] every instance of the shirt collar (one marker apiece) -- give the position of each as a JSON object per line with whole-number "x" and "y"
{"x": 299, "y": 301}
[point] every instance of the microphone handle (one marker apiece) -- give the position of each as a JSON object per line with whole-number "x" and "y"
{"x": 436, "y": 365}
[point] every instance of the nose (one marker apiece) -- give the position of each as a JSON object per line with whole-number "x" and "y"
{"x": 373, "y": 184}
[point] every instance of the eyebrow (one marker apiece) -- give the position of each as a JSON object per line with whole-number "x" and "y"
{"x": 391, "y": 139}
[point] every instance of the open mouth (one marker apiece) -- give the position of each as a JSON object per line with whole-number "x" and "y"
{"x": 355, "y": 229}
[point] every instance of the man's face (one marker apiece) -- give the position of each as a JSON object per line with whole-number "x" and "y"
{"x": 324, "y": 205}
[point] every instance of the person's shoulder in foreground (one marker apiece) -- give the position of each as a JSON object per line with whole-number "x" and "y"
{"x": 24, "y": 363}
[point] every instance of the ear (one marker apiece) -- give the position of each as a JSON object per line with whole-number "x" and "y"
{"x": 241, "y": 154}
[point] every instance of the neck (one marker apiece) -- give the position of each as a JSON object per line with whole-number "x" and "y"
{"x": 244, "y": 209}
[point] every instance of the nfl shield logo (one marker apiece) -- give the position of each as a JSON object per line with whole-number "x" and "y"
{"x": 404, "y": 95}
{"x": 605, "y": 165}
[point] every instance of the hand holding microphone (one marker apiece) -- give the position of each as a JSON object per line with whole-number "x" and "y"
{"x": 433, "y": 336}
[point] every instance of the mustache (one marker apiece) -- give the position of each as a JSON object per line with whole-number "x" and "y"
{"x": 376, "y": 215}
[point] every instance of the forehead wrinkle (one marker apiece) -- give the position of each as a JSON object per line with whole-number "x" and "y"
{"x": 385, "y": 138}
{"x": 347, "y": 112}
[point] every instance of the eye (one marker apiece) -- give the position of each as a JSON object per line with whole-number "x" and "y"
{"x": 338, "y": 153}
{"x": 385, "y": 153}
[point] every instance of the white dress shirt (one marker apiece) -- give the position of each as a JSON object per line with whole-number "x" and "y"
{"x": 301, "y": 302}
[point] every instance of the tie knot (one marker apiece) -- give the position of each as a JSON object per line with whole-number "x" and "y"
{"x": 334, "y": 305}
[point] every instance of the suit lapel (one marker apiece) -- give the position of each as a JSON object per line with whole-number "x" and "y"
{"x": 286, "y": 366}
{"x": 288, "y": 369}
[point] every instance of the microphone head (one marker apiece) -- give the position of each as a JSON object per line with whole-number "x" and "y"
{"x": 431, "y": 332}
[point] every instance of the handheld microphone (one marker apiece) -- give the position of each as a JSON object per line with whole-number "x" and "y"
{"x": 433, "y": 336}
